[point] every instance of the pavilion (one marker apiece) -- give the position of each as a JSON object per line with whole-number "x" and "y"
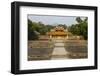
{"x": 58, "y": 33}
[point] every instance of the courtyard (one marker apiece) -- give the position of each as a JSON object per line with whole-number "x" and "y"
{"x": 57, "y": 49}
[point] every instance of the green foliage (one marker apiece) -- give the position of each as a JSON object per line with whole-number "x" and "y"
{"x": 81, "y": 28}
{"x": 36, "y": 28}
{"x": 63, "y": 25}
{"x": 78, "y": 19}
{"x": 31, "y": 31}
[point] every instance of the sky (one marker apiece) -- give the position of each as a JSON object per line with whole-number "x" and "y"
{"x": 53, "y": 20}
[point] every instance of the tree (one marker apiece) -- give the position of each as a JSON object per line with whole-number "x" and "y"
{"x": 31, "y": 31}
{"x": 34, "y": 27}
{"x": 81, "y": 28}
{"x": 62, "y": 25}
{"x": 78, "y": 19}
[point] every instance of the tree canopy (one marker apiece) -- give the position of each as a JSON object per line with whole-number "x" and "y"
{"x": 81, "y": 28}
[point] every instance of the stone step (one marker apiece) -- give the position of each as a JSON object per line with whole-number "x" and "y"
{"x": 59, "y": 44}
{"x": 58, "y": 57}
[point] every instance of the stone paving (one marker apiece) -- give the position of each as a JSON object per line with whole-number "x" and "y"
{"x": 59, "y": 52}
